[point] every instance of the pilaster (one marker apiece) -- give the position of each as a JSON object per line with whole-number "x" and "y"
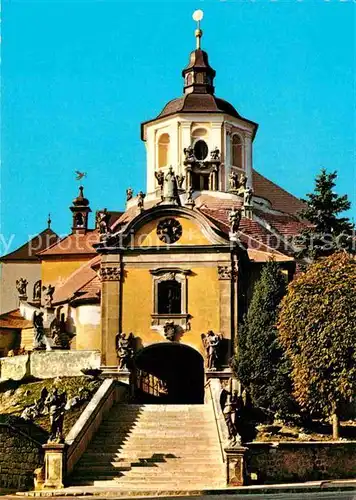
{"x": 227, "y": 274}
{"x": 110, "y": 275}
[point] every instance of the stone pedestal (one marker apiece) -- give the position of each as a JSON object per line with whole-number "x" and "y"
{"x": 54, "y": 463}
{"x": 235, "y": 466}
{"x": 123, "y": 376}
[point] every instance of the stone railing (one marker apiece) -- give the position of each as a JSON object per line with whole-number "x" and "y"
{"x": 89, "y": 421}
{"x": 213, "y": 392}
{"x": 60, "y": 459}
{"x": 48, "y": 364}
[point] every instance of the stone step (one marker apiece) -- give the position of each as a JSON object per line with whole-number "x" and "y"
{"x": 152, "y": 470}
{"x": 117, "y": 458}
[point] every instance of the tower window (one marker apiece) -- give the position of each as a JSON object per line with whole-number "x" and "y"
{"x": 236, "y": 151}
{"x": 163, "y": 150}
{"x": 79, "y": 220}
{"x": 169, "y": 297}
{"x": 200, "y": 150}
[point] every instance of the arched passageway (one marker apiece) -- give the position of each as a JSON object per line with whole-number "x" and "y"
{"x": 176, "y": 370}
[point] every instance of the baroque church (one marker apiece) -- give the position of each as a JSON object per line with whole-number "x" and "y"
{"x": 173, "y": 274}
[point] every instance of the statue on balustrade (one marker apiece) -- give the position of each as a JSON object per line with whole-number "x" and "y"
{"x": 102, "y": 223}
{"x": 56, "y": 404}
{"x": 212, "y": 344}
{"x": 232, "y": 404}
{"x": 125, "y": 350}
{"x": 21, "y": 286}
{"x": 40, "y": 337}
{"x": 234, "y": 220}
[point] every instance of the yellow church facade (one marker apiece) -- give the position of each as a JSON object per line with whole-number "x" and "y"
{"x": 180, "y": 262}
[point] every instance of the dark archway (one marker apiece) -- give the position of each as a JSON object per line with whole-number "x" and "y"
{"x": 180, "y": 367}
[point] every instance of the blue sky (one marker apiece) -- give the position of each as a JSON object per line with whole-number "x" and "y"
{"x": 78, "y": 78}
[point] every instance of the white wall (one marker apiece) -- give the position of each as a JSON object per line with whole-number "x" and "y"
{"x": 10, "y": 272}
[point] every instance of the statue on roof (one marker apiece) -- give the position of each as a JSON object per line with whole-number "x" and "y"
{"x": 233, "y": 181}
{"x": 170, "y": 191}
{"x": 180, "y": 179}
{"x": 129, "y": 194}
{"x": 125, "y": 350}
{"x": 215, "y": 154}
{"x": 21, "y": 286}
{"x": 243, "y": 180}
{"x": 102, "y": 223}
{"x": 48, "y": 295}
{"x": 248, "y": 194}
{"x": 141, "y": 200}
{"x": 189, "y": 200}
{"x": 234, "y": 220}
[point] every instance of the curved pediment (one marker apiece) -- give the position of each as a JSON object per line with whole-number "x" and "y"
{"x": 170, "y": 226}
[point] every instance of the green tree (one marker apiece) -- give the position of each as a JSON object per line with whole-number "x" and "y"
{"x": 317, "y": 327}
{"x": 328, "y": 231}
{"x": 261, "y": 364}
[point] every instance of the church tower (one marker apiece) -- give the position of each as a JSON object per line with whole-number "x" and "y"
{"x": 80, "y": 210}
{"x": 200, "y": 135}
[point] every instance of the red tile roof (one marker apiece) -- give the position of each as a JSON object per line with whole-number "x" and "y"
{"x": 28, "y": 251}
{"x": 73, "y": 244}
{"x": 14, "y": 320}
{"x": 78, "y": 281}
{"x": 279, "y": 197}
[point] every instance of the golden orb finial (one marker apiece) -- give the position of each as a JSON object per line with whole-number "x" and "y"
{"x": 198, "y": 16}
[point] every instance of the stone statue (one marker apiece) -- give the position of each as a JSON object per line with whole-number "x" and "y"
{"x": 37, "y": 290}
{"x": 40, "y": 337}
{"x": 180, "y": 179}
{"x": 215, "y": 154}
{"x": 170, "y": 186}
{"x": 233, "y": 181}
{"x": 190, "y": 200}
{"x": 21, "y": 286}
{"x": 102, "y": 222}
{"x": 37, "y": 409}
{"x": 129, "y": 194}
{"x": 170, "y": 330}
{"x": 125, "y": 350}
{"x": 56, "y": 408}
{"x": 212, "y": 343}
{"x": 160, "y": 178}
{"x": 234, "y": 220}
{"x": 61, "y": 339}
{"x": 231, "y": 410}
{"x": 248, "y": 194}
{"x": 141, "y": 200}
{"x": 243, "y": 180}
{"x": 189, "y": 153}
{"x": 48, "y": 295}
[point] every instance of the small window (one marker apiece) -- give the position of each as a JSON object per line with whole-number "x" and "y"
{"x": 200, "y": 150}
{"x": 163, "y": 150}
{"x": 169, "y": 297}
{"x": 236, "y": 151}
{"x": 79, "y": 220}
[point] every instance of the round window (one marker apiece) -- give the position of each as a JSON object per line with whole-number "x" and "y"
{"x": 200, "y": 150}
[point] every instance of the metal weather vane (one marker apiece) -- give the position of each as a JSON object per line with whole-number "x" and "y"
{"x": 80, "y": 175}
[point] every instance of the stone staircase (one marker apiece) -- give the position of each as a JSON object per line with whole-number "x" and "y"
{"x": 151, "y": 448}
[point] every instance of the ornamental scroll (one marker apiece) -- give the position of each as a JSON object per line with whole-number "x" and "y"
{"x": 110, "y": 274}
